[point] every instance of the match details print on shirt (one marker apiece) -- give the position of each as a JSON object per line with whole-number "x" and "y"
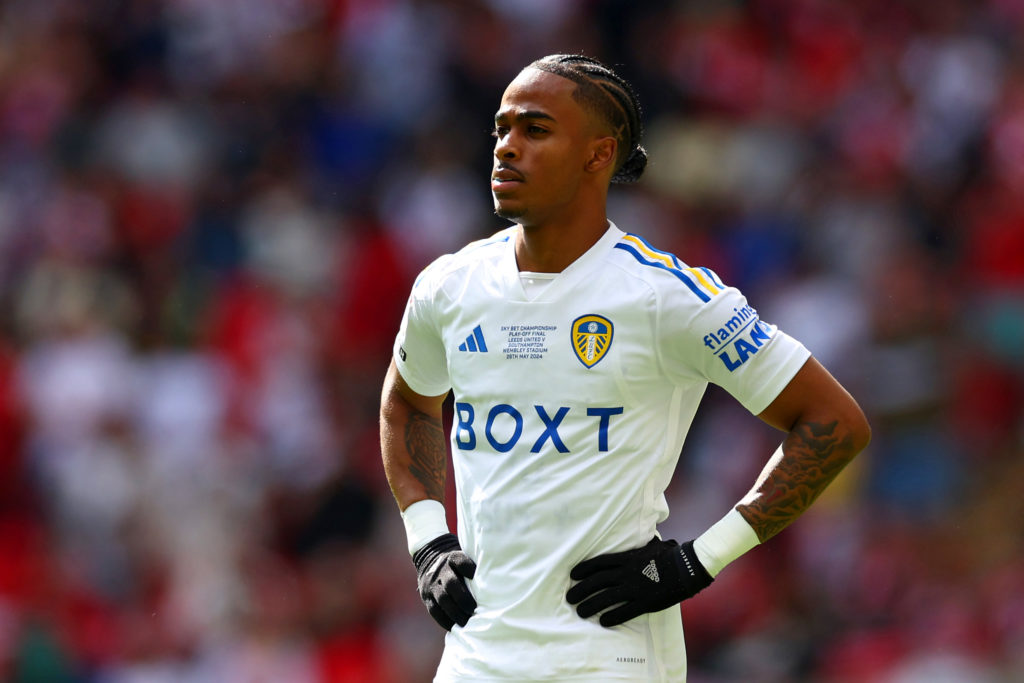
{"x": 526, "y": 342}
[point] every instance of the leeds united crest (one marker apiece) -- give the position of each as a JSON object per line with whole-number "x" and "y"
{"x": 591, "y": 338}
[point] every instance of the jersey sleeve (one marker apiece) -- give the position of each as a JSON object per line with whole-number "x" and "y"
{"x": 419, "y": 351}
{"x": 711, "y": 331}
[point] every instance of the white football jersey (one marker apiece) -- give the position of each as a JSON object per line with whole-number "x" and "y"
{"x": 570, "y": 413}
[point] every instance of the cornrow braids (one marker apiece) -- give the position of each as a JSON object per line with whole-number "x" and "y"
{"x": 602, "y": 90}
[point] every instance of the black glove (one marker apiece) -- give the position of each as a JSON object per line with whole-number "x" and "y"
{"x": 648, "y": 579}
{"x": 442, "y": 569}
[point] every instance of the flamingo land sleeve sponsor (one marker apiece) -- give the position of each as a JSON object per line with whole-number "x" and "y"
{"x": 739, "y": 338}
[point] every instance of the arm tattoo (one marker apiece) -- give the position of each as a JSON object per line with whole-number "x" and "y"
{"x": 424, "y": 440}
{"x": 813, "y": 454}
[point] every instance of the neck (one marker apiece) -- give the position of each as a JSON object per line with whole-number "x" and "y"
{"x": 552, "y": 246}
{"x": 545, "y": 250}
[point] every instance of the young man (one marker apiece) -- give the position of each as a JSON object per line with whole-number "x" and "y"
{"x": 577, "y": 354}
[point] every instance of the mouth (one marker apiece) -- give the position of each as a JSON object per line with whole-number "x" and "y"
{"x": 504, "y": 178}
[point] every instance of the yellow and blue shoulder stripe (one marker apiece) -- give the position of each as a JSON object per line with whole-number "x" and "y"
{"x": 701, "y": 281}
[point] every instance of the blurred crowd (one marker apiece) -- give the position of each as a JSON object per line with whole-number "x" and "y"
{"x": 211, "y": 213}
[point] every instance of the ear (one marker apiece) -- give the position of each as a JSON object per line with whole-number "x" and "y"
{"x": 601, "y": 154}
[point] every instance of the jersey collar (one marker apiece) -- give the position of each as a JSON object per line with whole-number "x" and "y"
{"x": 576, "y": 270}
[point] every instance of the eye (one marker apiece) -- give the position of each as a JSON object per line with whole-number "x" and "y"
{"x": 537, "y": 130}
{"x": 499, "y": 131}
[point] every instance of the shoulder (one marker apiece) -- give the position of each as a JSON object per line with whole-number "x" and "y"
{"x": 459, "y": 265}
{"x": 667, "y": 274}
{"x": 487, "y": 247}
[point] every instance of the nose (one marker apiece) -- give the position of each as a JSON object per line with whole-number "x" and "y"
{"x": 505, "y": 148}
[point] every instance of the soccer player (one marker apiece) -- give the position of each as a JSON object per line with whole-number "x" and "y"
{"x": 577, "y": 354}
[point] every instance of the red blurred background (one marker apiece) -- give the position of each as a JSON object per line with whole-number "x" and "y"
{"x": 210, "y": 217}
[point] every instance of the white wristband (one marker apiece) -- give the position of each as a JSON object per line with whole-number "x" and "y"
{"x": 424, "y": 521}
{"x": 727, "y": 539}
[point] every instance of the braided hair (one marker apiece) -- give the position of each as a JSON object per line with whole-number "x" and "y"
{"x": 605, "y": 92}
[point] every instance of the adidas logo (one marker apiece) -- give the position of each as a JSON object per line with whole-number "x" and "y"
{"x": 474, "y": 342}
{"x": 651, "y": 572}
{"x": 686, "y": 561}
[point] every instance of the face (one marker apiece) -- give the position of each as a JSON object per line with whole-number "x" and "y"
{"x": 542, "y": 143}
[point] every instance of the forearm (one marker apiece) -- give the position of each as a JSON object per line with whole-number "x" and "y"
{"x": 811, "y": 456}
{"x": 414, "y": 451}
{"x": 825, "y": 429}
{"x": 415, "y": 458}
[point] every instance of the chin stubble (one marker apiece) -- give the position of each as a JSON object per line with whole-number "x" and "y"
{"x": 508, "y": 214}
